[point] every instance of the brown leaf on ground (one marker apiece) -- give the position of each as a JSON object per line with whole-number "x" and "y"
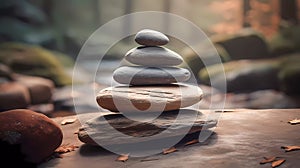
{"x": 66, "y": 148}
{"x": 68, "y": 121}
{"x": 170, "y": 150}
{"x": 294, "y": 122}
{"x": 267, "y": 160}
{"x": 277, "y": 163}
{"x": 192, "y": 142}
{"x": 123, "y": 158}
{"x": 290, "y": 148}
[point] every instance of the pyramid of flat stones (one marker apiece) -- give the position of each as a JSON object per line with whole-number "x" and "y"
{"x": 154, "y": 83}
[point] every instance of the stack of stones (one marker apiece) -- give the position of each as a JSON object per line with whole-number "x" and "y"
{"x": 151, "y": 88}
{"x": 154, "y": 84}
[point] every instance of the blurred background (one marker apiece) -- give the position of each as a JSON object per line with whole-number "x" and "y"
{"x": 257, "y": 40}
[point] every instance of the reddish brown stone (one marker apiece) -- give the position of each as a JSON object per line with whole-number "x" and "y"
{"x": 37, "y": 134}
{"x": 13, "y": 95}
{"x": 40, "y": 89}
{"x": 149, "y": 98}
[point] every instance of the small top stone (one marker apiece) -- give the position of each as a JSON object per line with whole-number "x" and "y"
{"x": 149, "y": 37}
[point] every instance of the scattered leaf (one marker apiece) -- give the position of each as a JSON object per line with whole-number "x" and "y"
{"x": 123, "y": 158}
{"x": 290, "y": 148}
{"x": 192, "y": 142}
{"x": 268, "y": 160}
{"x": 66, "y": 148}
{"x": 277, "y": 163}
{"x": 68, "y": 121}
{"x": 170, "y": 150}
{"x": 294, "y": 122}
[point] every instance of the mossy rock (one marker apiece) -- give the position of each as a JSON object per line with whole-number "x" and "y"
{"x": 246, "y": 44}
{"x": 280, "y": 45}
{"x": 281, "y": 73}
{"x": 243, "y": 75}
{"x": 35, "y": 61}
{"x": 286, "y": 40}
{"x": 289, "y": 75}
{"x": 208, "y": 55}
{"x": 290, "y": 79}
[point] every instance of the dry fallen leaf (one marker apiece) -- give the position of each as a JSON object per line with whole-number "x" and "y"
{"x": 290, "y": 148}
{"x": 123, "y": 158}
{"x": 68, "y": 121}
{"x": 66, "y": 148}
{"x": 295, "y": 121}
{"x": 277, "y": 162}
{"x": 268, "y": 160}
{"x": 192, "y": 142}
{"x": 170, "y": 150}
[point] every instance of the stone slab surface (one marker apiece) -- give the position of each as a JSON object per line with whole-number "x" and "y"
{"x": 242, "y": 138}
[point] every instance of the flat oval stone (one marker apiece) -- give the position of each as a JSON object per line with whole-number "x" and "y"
{"x": 151, "y": 38}
{"x": 149, "y": 98}
{"x": 137, "y": 75}
{"x": 97, "y": 130}
{"x": 153, "y": 56}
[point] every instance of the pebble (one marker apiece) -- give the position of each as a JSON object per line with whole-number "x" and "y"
{"x": 137, "y": 75}
{"x": 149, "y": 98}
{"x": 151, "y": 38}
{"x": 153, "y": 56}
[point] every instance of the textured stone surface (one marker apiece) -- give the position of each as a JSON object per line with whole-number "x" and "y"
{"x": 236, "y": 143}
{"x": 153, "y": 56}
{"x": 151, "y": 38}
{"x": 37, "y": 134}
{"x": 149, "y": 98}
{"x": 135, "y": 75}
{"x": 97, "y": 129}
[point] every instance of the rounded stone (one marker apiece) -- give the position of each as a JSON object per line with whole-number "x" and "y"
{"x": 149, "y": 98}
{"x": 13, "y": 95}
{"x": 153, "y": 56}
{"x": 36, "y": 134}
{"x": 151, "y": 38}
{"x": 40, "y": 89}
{"x": 137, "y": 75}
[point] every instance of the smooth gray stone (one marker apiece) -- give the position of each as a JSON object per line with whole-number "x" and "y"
{"x": 151, "y": 38}
{"x": 153, "y": 56}
{"x": 138, "y": 75}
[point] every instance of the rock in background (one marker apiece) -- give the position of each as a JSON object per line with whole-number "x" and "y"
{"x": 251, "y": 61}
{"x": 36, "y": 61}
